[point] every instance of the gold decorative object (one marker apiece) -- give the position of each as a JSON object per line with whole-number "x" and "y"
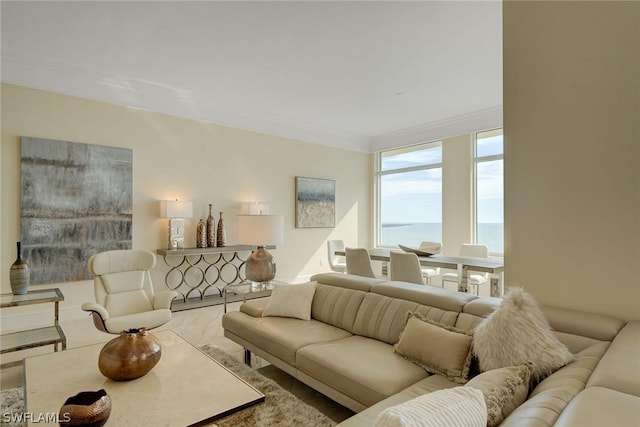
{"x": 87, "y": 408}
{"x": 201, "y": 234}
{"x": 211, "y": 229}
{"x": 131, "y": 355}
{"x": 222, "y": 234}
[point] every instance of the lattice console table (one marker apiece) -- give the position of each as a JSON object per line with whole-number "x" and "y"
{"x": 200, "y": 274}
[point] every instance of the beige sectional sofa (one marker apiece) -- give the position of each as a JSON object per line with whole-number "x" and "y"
{"x": 346, "y": 351}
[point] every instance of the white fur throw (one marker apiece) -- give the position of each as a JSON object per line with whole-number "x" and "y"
{"x": 452, "y": 407}
{"x": 518, "y": 332}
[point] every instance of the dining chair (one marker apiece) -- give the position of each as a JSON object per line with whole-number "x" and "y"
{"x": 337, "y": 263}
{"x": 473, "y": 279}
{"x": 434, "y": 248}
{"x": 405, "y": 266}
{"x": 358, "y": 262}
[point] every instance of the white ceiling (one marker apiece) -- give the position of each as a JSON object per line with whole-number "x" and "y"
{"x": 354, "y": 74}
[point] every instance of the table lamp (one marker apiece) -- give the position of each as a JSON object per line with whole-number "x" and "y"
{"x": 261, "y": 231}
{"x": 176, "y": 210}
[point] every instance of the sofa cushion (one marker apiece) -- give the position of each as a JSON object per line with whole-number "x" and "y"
{"x": 291, "y": 301}
{"x": 349, "y": 281}
{"x": 364, "y": 369}
{"x": 549, "y": 398}
{"x": 504, "y": 390}
{"x": 438, "y": 348}
{"x": 280, "y": 336}
{"x": 519, "y": 322}
{"x": 432, "y": 296}
{"x": 383, "y": 318}
{"x": 597, "y": 406}
{"x": 454, "y": 407}
{"x": 427, "y": 385}
{"x": 619, "y": 368}
{"x": 336, "y": 306}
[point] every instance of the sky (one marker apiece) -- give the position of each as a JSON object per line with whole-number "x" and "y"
{"x": 413, "y": 197}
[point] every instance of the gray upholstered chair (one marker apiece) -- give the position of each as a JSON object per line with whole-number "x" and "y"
{"x": 473, "y": 279}
{"x": 124, "y": 293}
{"x": 337, "y": 263}
{"x": 405, "y": 267}
{"x": 358, "y": 262}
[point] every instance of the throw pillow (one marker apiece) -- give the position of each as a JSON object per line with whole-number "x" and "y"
{"x": 452, "y": 407}
{"x": 438, "y": 348}
{"x": 291, "y": 301}
{"x": 518, "y": 332}
{"x": 504, "y": 390}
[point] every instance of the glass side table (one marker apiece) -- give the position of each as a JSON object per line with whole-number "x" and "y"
{"x": 249, "y": 290}
{"x": 28, "y": 338}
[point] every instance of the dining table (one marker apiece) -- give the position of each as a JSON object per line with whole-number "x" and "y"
{"x": 463, "y": 265}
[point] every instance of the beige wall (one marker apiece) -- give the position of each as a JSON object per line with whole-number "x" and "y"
{"x": 191, "y": 160}
{"x": 457, "y": 196}
{"x": 572, "y": 150}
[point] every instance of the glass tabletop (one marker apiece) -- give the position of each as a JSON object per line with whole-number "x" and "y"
{"x": 249, "y": 287}
{"x": 31, "y": 297}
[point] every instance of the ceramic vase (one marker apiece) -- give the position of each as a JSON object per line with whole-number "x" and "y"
{"x": 132, "y": 355}
{"x": 222, "y": 234}
{"x": 211, "y": 230}
{"x": 87, "y": 408}
{"x": 19, "y": 275}
{"x": 201, "y": 234}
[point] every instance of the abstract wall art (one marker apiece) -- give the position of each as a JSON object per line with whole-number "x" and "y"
{"x": 76, "y": 201}
{"x": 315, "y": 203}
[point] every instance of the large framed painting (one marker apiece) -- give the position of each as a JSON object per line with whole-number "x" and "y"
{"x": 315, "y": 202}
{"x": 75, "y": 202}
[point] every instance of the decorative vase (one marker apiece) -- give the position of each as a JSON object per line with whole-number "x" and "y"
{"x": 131, "y": 355}
{"x": 87, "y": 408}
{"x": 211, "y": 229}
{"x": 222, "y": 234}
{"x": 201, "y": 234}
{"x": 20, "y": 275}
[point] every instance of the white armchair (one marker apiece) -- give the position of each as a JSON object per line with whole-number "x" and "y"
{"x": 124, "y": 293}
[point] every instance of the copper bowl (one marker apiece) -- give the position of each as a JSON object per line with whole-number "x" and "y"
{"x": 87, "y": 408}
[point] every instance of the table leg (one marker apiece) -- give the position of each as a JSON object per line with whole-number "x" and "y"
{"x": 496, "y": 288}
{"x": 224, "y": 298}
{"x": 463, "y": 286}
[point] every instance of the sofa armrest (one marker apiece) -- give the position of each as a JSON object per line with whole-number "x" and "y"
{"x": 163, "y": 299}
{"x": 254, "y": 308}
{"x": 97, "y": 308}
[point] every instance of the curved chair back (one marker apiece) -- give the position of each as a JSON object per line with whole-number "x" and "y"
{"x": 358, "y": 262}
{"x": 476, "y": 251}
{"x": 405, "y": 267}
{"x": 122, "y": 282}
{"x": 336, "y": 262}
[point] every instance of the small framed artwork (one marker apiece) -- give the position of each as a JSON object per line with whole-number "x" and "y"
{"x": 315, "y": 202}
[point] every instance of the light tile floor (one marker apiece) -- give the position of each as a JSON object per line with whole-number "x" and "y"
{"x": 198, "y": 326}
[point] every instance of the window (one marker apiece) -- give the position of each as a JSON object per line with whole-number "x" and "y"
{"x": 489, "y": 190}
{"x": 410, "y": 195}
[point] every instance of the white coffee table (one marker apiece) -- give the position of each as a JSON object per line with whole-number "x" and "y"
{"x": 186, "y": 387}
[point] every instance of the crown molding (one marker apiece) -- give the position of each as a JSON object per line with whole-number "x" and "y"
{"x": 486, "y": 119}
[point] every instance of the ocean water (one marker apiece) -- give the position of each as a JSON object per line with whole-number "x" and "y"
{"x": 489, "y": 234}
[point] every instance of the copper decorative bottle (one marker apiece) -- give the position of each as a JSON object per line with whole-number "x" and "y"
{"x": 19, "y": 275}
{"x": 222, "y": 234}
{"x": 201, "y": 234}
{"x": 211, "y": 229}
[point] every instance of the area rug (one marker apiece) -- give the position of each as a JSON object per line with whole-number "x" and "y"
{"x": 280, "y": 408}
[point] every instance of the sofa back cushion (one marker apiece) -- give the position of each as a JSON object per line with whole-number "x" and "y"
{"x": 336, "y": 306}
{"x": 383, "y": 318}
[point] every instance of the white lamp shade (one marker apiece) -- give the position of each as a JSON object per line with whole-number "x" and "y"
{"x": 176, "y": 209}
{"x": 260, "y": 230}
